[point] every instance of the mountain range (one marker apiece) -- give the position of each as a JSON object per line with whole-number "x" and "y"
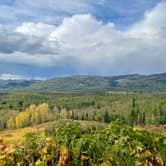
{"x": 135, "y": 82}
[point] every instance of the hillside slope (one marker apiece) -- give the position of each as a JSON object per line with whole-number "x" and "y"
{"x": 134, "y": 82}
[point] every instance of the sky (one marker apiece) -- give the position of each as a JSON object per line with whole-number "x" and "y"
{"x": 43, "y": 39}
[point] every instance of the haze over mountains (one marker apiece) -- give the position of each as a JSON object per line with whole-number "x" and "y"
{"x": 135, "y": 82}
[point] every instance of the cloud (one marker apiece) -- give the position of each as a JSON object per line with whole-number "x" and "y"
{"x": 20, "y": 40}
{"x": 32, "y": 29}
{"x": 154, "y": 22}
{"x": 13, "y": 12}
{"x": 29, "y": 59}
{"x": 8, "y": 76}
{"x": 87, "y": 45}
{"x": 49, "y": 11}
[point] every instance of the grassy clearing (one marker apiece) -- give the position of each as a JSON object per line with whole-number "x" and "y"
{"x": 16, "y": 136}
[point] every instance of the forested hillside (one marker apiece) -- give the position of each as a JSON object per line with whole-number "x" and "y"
{"x": 151, "y": 83}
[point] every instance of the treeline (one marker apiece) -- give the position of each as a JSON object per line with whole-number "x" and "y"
{"x": 37, "y": 114}
{"x": 33, "y": 115}
{"x": 17, "y": 110}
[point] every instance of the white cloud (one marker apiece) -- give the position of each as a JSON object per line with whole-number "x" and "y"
{"x": 154, "y": 22}
{"x": 88, "y": 45}
{"x": 7, "y": 76}
{"x": 30, "y": 59}
{"x": 38, "y": 30}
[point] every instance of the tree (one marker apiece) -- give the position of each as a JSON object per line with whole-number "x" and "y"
{"x": 43, "y": 112}
{"x": 56, "y": 112}
{"x": 63, "y": 114}
{"x": 20, "y": 103}
{"x": 133, "y": 113}
{"x": 106, "y": 117}
{"x": 22, "y": 119}
{"x": 11, "y": 123}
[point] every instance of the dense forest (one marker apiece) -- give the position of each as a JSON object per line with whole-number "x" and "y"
{"x": 118, "y": 130}
{"x": 24, "y": 109}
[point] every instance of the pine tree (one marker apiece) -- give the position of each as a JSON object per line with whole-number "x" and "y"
{"x": 133, "y": 113}
{"x": 106, "y": 117}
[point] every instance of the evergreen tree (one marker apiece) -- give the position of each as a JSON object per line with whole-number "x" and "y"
{"x": 133, "y": 113}
{"x": 106, "y": 117}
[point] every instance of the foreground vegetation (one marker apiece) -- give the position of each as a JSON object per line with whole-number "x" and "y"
{"x": 70, "y": 143}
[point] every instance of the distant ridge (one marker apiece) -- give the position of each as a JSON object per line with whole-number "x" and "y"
{"x": 87, "y": 83}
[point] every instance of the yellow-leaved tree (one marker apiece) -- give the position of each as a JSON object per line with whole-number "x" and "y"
{"x": 42, "y": 112}
{"x": 11, "y": 123}
{"x": 22, "y": 119}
